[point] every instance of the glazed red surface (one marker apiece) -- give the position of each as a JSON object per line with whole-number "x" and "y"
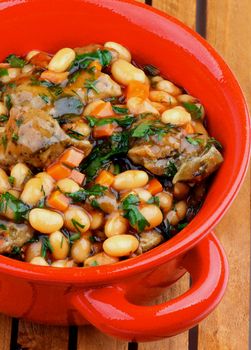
{"x": 183, "y": 57}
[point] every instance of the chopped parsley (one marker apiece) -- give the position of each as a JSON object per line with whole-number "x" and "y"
{"x": 132, "y": 213}
{"x": 45, "y": 98}
{"x": 3, "y": 72}
{"x": 195, "y": 111}
{"x": 15, "y": 137}
{"x": 4, "y": 141}
{"x": 75, "y": 134}
{"x": 46, "y": 245}
{"x": 74, "y": 77}
{"x": 3, "y": 118}
{"x": 3, "y": 227}
{"x": 11, "y": 180}
{"x": 19, "y": 208}
{"x": 213, "y": 142}
{"x": 77, "y": 225}
{"x": 171, "y": 169}
{"x": 15, "y": 61}
{"x": 180, "y": 225}
{"x": 90, "y": 85}
{"x": 80, "y": 196}
{"x": 153, "y": 200}
{"x": 194, "y": 141}
{"x": 94, "y": 263}
{"x": 151, "y": 70}
{"x": 8, "y": 102}
{"x": 71, "y": 237}
{"x": 19, "y": 121}
{"x": 144, "y": 130}
{"x": 125, "y": 121}
{"x": 83, "y": 61}
{"x": 120, "y": 110}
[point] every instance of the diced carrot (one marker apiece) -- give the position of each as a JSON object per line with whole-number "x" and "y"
{"x": 105, "y": 178}
{"x": 96, "y": 65}
{"x": 41, "y": 59}
{"x": 137, "y": 89}
{"x": 54, "y": 77}
{"x": 77, "y": 176}
{"x": 104, "y": 130}
{"x": 58, "y": 171}
{"x": 58, "y": 200}
{"x": 154, "y": 186}
{"x": 189, "y": 128}
{"x": 72, "y": 157}
{"x": 103, "y": 110}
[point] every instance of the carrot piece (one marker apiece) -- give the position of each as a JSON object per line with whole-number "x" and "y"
{"x": 154, "y": 186}
{"x": 137, "y": 89}
{"x": 103, "y": 130}
{"x": 41, "y": 59}
{"x": 103, "y": 110}
{"x": 58, "y": 200}
{"x": 58, "y": 171}
{"x": 54, "y": 77}
{"x": 105, "y": 178}
{"x": 72, "y": 157}
{"x": 189, "y": 128}
{"x": 96, "y": 65}
{"x": 77, "y": 176}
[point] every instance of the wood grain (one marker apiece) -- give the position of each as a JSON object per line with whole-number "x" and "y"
{"x": 229, "y": 31}
{"x": 38, "y": 337}
{"x": 184, "y": 10}
{"x": 5, "y": 332}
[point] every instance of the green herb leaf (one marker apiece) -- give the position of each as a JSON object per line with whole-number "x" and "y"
{"x": 3, "y": 118}
{"x": 15, "y": 61}
{"x": 45, "y": 98}
{"x": 194, "y": 141}
{"x": 68, "y": 105}
{"x": 15, "y": 137}
{"x": 213, "y": 142}
{"x": 94, "y": 263}
{"x": 193, "y": 109}
{"x": 82, "y": 61}
{"x": 151, "y": 70}
{"x": 132, "y": 213}
{"x": 3, "y": 72}
{"x": 80, "y": 196}
{"x": 171, "y": 169}
{"x": 8, "y": 102}
{"x": 153, "y": 200}
{"x": 180, "y": 226}
{"x": 77, "y": 225}
{"x": 120, "y": 110}
{"x": 75, "y": 134}
{"x": 20, "y": 209}
{"x": 4, "y": 141}
{"x": 11, "y": 180}
{"x": 3, "y": 227}
{"x": 74, "y": 77}
{"x": 90, "y": 85}
{"x": 46, "y": 245}
{"x": 125, "y": 121}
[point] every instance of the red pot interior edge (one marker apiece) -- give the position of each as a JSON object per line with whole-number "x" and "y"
{"x": 183, "y": 56}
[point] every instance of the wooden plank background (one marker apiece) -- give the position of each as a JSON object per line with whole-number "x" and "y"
{"x": 226, "y": 26}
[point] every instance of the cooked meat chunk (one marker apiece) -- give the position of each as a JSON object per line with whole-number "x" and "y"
{"x": 149, "y": 240}
{"x": 104, "y": 87}
{"x": 197, "y": 168}
{"x": 13, "y": 235}
{"x": 35, "y": 138}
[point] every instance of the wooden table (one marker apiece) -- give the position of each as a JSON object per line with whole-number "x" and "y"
{"x": 226, "y": 25}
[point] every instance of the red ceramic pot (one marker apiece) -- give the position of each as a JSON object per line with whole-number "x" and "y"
{"x": 111, "y": 297}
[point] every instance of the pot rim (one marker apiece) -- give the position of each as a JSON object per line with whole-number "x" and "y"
{"x": 180, "y": 243}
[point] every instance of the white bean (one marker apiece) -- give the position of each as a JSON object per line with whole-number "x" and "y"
{"x": 33, "y": 191}
{"x": 31, "y": 54}
{"x": 91, "y": 106}
{"x": 162, "y": 96}
{"x": 80, "y": 250}
{"x": 60, "y": 245}
{"x": 77, "y": 219}
{"x": 168, "y": 86}
{"x": 97, "y": 220}
{"x": 120, "y": 245}
{"x": 186, "y": 98}
{"x": 100, "y": 259}
{"x": 143, "y": 194}
{"x": 33, "y": 250}
{"x": 47, "y": 182}
{"x": 130, "y": 179}
{"x": 165, "y": 201}
{"x": 67, "y": 186}
{"x": 62, "y": 60}
{"x": 152, "y": 214}
{"x": 38, "y": 260}
{"x": 122, "y": 51}
{"x": 124, "y": 72}
{"x": 116, "y": 224}
{"x": 45, "y": 220}
{"x": 21, "y": 173}
{"x": 137, "y": 105}
{"x": 176, "y": 116}
{"x": 4, "y": 181}
{"x": 178, "y": 213}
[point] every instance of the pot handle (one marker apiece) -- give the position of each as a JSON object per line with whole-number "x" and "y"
{"x": 108, "y": 309}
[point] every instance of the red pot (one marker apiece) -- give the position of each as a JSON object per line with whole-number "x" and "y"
{"x": 109, "y": 296}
